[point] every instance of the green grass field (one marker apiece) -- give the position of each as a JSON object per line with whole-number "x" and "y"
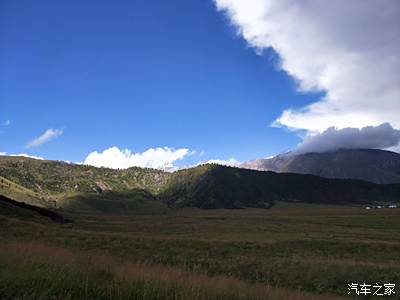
{"x": 293, "y": 251}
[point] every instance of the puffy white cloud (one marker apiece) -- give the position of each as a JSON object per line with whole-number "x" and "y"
{"x": 394, "y": 148}
{"x": 349, "y": 49}
{"x": 231, "y": 162}
{"x": 27, "y": 155}
{"x": 46, "y": 136}
{"x": 157, "y": 158}
{"x": 379, "y": 137}
{"x": 23, "y": 155}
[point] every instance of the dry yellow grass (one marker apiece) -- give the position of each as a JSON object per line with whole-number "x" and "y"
{"x": 196, "y": 285}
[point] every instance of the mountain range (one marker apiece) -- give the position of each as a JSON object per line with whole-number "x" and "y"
{"x": 372, "y": 165}
{"x": 63, "y": 185}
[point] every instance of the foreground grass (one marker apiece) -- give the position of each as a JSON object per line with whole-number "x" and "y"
{"x": 38, "y": 271}
{"x": 307, "y": 248}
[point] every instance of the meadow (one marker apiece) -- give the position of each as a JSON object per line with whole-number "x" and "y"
{"x": 292, "y": 251}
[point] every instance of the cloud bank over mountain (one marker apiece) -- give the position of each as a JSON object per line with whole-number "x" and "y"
{"x": 157, "y": 158}
{"x": 383, "y": 136}
{"x": 231, "y": 162}
{"x": 348, "y": 49}
{"x": 22, "y": 155}
{"x": 163, "y": 158}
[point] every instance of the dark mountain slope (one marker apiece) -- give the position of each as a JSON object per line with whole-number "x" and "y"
{"x": 12, "y": 207}
{"x": 226, "y": 187}
{"x": 376, "y": 166}
{"x": 214, "y": 186}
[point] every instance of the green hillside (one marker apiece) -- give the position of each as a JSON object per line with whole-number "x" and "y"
{"x": 227, "y": 187}
{"x": 85, "y": 188}
{"x": 54, "y": 180}
{"x": 214, "y": 186}
{"x": 137, "y": 200}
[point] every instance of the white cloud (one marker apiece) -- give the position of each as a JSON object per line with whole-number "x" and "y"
{"x": 23, "y": 155}
{"x": 6, "y": 123}
{"x": 394, "y": 148}
{"x": 47, "y": 136}
{"x": 27, "y": 155}
{"x": 231, "y": 162}
{"x": 379, "y": 137}
{"x": 158, "y": 158}
{"x": 349, "y": 49}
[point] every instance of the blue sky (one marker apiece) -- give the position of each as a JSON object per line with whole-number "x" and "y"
{"x": 138, "y": 75}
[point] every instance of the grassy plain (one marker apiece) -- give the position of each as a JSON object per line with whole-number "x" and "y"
{"x": 292, "y": 251}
